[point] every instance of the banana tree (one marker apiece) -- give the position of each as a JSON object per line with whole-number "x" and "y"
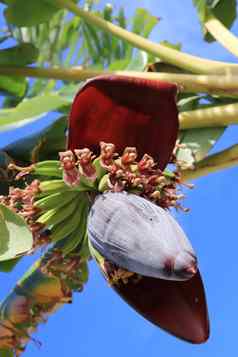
{"x": 99, "y": 179}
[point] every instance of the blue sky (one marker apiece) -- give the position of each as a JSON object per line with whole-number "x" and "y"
{"x": 99, "y": 322}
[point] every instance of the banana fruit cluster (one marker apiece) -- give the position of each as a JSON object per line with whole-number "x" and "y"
{"x": 68, "y": 187}
{"x": 53, "y": 210}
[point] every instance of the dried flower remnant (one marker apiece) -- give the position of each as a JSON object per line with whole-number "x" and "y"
{"x": 37, "y": 296}
{"x": 85, "y": 163}
{"x": 71, "y": 269}
{"x": 107, "y": 154}
{"x": 71, "y": 175}
{"x": 129, "y": 156}
{"x": 116, "y": 275}
{"x": 144, "y": 178}
{"x": 21, "y": 201}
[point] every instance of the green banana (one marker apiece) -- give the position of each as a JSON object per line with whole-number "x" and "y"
{"x": 84, "y": 248}
{"x": 101, "y": 171}
{"x": 52, "y": 186}
{"x": 57, "y": 199}
{"x": 56, "y": 215}
{"x": 48, "y": 168}
{"x": 103, "y": 183}
{"x": 44, "y": 218}
{"x": 75, "y": 239}
{"x": 69, "y": 225}
{"x": 84, "y": 185}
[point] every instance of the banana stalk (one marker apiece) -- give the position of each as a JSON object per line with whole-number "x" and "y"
{"x": 44, "y": 288}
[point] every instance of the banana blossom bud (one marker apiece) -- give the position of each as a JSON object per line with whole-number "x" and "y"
{"x": 141, "y": 237}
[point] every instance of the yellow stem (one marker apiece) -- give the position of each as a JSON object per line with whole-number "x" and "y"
{"x": 68, "y": 74}
{"x": 169, "y": 55}
{"x": 213, "y": 163}
{"x": 222, "y": 35}
{"x": 209, "y": 117}
{"x": 225, "y": 85}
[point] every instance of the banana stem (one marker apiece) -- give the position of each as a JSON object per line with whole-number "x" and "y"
{"x": 222, "y": 160}
{"x": 225, "y": 85}
{"x": 222, "y": 35}
{"x": 169, "y": 55}
{"x": 219, "y": 116}
{"x": 37, "y": 295}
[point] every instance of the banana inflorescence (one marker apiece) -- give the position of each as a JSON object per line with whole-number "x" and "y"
{"x": 56, "y": 207}
{"x": 56, "y": 204}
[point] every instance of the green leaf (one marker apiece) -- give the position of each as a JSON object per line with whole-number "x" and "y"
{"x": 143, "y": 22}
{"x": 223, "y": 10}
{"x": 121, "y": 18}
{"x": 43, "y": 145}
{"x": 13, "y": 85}
{"x": 4, "y": 179}
{"x": 119, "y": 65}
{"x": 4, "y": 159}
{"x": 23, "y": 54}
{"x": 6, "y": 353}
{"x": 138, "y": 62}
{"x": 29, "y": 13}
{"x": 3, "y": 186}
{"x": 157, "y": 65}
{"x": 67, "y": 33}
{"x": 54, "y": 140}
{"x": 107, "y": 38}
{"x": 15, "y": 237}
{"x": 4, "y": 38}
{"x": 174, "y": 46}
{"x": 188, "y": 102}
{"x": 30, "y": 109}
{"x": 91, "y": 43}
{"x": 198, "y": 143}
{"x": 8, "y": 265}
{"x": 70, "y": 90}
{"x": 7, "y": 2}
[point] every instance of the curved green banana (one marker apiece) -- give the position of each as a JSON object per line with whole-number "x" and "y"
{"x": 52, "y": 186}
{"x": 55, "y": 200}
{"x": 65, "y": 228}
{"x": 48, "y": 168}
{"x": 76, "y": 238}
{"x": 57, "y": 215}
{"x": 103, "y": 183}
{"x": 101, "y": 171}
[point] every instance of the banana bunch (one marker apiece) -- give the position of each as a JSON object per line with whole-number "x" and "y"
{"x": 62, "y": 210}
{"x": 66, "y": 186}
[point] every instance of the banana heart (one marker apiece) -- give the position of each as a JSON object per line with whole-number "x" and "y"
{"x": 141, "y": 237}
